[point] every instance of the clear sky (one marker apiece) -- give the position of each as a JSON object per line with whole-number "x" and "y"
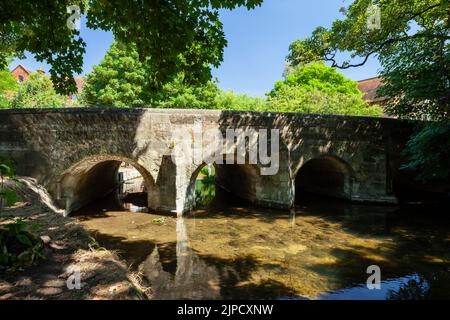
{"x": 258, "y": 42}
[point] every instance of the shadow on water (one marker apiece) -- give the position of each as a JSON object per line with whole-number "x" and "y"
{"x": 320, "y": 250}
{"x": 415, "y": 261}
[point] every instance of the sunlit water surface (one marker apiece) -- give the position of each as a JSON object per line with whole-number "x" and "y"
{"x": 320, "y": 250}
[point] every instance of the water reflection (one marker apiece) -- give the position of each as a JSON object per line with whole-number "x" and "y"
{"x": 193, "y": 278}
{"x": 205, "y": 187}
{"x": 318, "y": 251}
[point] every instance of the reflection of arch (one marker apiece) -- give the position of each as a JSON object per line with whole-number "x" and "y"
{"x": 325, "y": 175}
{"x": 190, "y": 192}
{"x": 95, "y": 177}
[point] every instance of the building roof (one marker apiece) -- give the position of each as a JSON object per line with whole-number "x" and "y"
{"x": 79, "y": 81}
{"x": 19, "y": 66}
{"x": 370, "y": 87}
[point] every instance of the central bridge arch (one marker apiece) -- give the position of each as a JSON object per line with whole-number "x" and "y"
{"x": 240, "y": 180}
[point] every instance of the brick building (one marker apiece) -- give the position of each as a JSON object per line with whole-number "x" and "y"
{"x": 22, "y": 74}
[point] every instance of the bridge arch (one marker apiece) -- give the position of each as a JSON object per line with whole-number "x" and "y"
{"x": 325, "y": 175}
{"x": 94, "y": 177}
{"x": 240, "y": 180}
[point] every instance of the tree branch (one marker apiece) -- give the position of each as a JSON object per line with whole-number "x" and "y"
{"x": 387, "y": 42}
{"x": 381, "y": 46}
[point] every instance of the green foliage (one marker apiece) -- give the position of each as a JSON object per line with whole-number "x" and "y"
{"x": 228, "y": 100}
{"x": 412, "y": 45}
{"x": 8, "y": 85}
{"x": 317, "y": 88}
{"x": 416, "y": 73}
{"x": 19, "y": 247}
{"x": 298, "y": 99}
{"x": 429, "y": 151}
{"x": 205, "y": 187}
{"x": 413, "y": 48}
{"x": 38, "y": 92}
{"x": 118, "y": 81}
{"x": 177, "y": 94}
{"x": 171, "y": 36}
{"x": 318, "y": 76}
{"x": 4, "y": 102}
{"x": 7, "y": 81}
{"x": 7, "y": 196}
{"x": 39, "y": 27}
{"x": 121, "y": 80}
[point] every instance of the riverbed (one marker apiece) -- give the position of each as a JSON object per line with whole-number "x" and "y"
{"x": 319, "y": 250}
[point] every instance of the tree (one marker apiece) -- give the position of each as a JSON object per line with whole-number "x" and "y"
{"x": 7, "y": 81}
{"x": 412, "y": 45}
{"x": 38, "y": 92}
{"x": 171, "y": 36}
{"x": 413, "y": 48}
{"x": 117, "y": 81}
{"x": 429, "y": 151}
{"x": 317, "y": 88}
{"x": 318, "y": 76}
{"x": 8, "y": 85}
{"x": 120, "y": 80}
{"x": 228, "y": 100}
{"x": 177, "y": 94}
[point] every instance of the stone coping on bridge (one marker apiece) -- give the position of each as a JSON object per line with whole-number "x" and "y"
{"x": 200, "y": 112}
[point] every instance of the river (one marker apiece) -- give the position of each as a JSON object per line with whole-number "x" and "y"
{"x": 319, "y": 250}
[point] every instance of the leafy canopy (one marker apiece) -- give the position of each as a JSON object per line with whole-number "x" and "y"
{"x": 8, "y": 85}
{"x": 317, "y": 88}
{"x": 171, "y": 36}
{"x": 117, "y": 81}
{"x": 298, "y": 99}
{"x": 121, "y": 80}
{"x": 38, "y": 92}
{"x": 412, "y": 45}
{"x": 320, "y": 77}
{"x": 429, "y": 151}
{"x": 7, "y": 81}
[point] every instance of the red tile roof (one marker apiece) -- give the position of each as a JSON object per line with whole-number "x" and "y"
{"x": 19, "y": 66}
{"x": 370, "y": 87}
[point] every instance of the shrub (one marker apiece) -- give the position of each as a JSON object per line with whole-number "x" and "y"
{"x": 18, "y": 246}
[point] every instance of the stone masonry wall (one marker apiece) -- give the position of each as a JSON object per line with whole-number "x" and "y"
{"x": 65, "y": 149}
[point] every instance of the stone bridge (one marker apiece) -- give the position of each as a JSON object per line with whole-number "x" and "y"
{"x": 75, "y": 154}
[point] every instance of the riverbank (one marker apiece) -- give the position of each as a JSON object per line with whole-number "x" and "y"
{"x": 69, "y": 249}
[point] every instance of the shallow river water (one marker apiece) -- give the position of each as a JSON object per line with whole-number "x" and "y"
{"x": 320, "y": 250}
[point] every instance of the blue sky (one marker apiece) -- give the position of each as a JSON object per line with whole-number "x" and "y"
{"x": 258, "y": 42}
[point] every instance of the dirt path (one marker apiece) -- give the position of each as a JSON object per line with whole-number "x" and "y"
{"x": 68, "y": 248}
